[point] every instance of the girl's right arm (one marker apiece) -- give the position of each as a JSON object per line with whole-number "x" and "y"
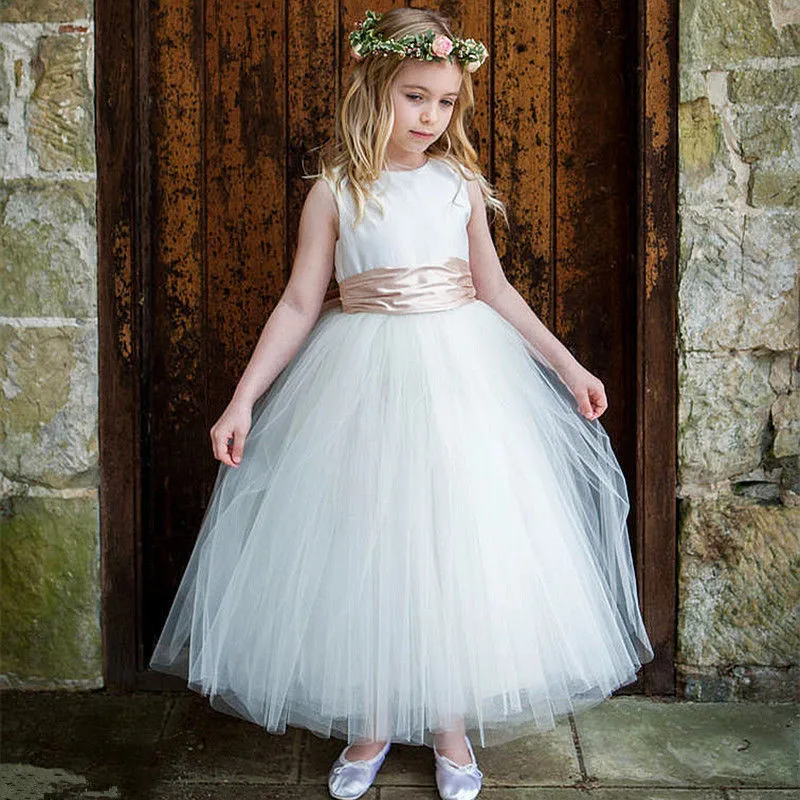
{"x": 288, "y": 324}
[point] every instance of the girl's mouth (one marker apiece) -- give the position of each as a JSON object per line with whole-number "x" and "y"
{"x": 422, "y": 135}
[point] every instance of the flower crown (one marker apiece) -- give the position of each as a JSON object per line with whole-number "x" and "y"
{"x": 427, "y": 46}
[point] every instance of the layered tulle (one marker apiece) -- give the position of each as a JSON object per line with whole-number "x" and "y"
{"x": 422, "y": 528}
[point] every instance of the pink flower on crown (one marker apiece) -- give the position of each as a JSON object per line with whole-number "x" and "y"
{"x": 441, "y": 45}
{"x": 356, "y": 55}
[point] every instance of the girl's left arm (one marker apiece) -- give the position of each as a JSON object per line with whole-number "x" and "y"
{"x": 494, "y": 289}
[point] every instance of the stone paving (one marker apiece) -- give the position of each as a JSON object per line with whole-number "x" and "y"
{"x": 173, "y": 746}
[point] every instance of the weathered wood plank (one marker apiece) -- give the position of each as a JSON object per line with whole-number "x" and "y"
{"x": 522, "y": 150}
{"x": 119, "y": 363}
{"x": 657, "y": 334}
{"x": 174, "y": 358}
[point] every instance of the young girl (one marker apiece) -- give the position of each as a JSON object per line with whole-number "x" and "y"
{"x": 419, "y": 526}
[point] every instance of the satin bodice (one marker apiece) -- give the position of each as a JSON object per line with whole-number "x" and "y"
{"x": 426, "y": 211}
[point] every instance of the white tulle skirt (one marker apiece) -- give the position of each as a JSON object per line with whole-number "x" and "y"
{"x": 423, "y": 530}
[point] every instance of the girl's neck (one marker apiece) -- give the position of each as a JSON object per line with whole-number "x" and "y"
{"x": 394, "y": 166}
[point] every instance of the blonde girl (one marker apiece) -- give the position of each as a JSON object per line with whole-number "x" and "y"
{"x": 418, "y": 528}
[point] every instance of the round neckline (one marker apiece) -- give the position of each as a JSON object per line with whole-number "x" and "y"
{"x": 408, "y": 171}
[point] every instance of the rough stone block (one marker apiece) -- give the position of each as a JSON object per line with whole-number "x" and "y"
{"x": 48, "y": 258}
{"x": 786, "y": 422}
{"x": 767, "y": 87}
{"x": 724, "y": 401}
{"x": 60, "y": 112}
{"x": 739, "y": 583}
{"x": 5, "y": 89}
{"x": 739, "y": 280}
{"x": 707, "y": 174}
{"x": 710, "y": 301}
{"x": 770, "y": 279}
{"x": 49, "y": 563}
{"x": 700, "y": 140}
{"x": 785, "y": 373}
{"x": 691, "y": 83}
{"x": 46, "y": 10}
{"x": 48, "y": 405}
{"x": 764, "y": 132}
{"x": 715, "y": 33}
{"x": 774, "y": 188}
{"x": 740, "y": 683}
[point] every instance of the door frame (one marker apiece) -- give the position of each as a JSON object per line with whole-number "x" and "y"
{"x": 123, "y": 203}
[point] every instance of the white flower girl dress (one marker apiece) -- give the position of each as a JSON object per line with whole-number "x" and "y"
{"x": 422, "y": 526}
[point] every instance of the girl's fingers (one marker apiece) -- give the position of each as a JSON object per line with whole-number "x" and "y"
{"x": 220, "y": 446}
{"x": 237, "y": 447}
{"x": 591, "y": 402}
{"x": 584, "y": 403}
{"x": 599, "y": 402}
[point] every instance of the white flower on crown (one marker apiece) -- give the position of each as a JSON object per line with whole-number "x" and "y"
{"x": 471, "y": 66}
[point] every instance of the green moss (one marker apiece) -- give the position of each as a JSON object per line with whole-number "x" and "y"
{"x": 49, "y": 588}
{"x": 44, "y": 231}
{"x": 700, "y": 139}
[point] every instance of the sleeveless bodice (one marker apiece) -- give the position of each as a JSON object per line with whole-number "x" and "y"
{"x": 426, "y": 211}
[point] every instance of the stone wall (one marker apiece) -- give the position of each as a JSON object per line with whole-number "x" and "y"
{"x": 739, "y": 397}
{"x": 50, "y": 566}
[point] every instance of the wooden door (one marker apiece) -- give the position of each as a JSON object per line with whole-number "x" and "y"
{"x": 199, "y": 205}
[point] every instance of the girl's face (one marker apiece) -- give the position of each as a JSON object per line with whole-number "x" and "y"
{"x": 423, "y": 95}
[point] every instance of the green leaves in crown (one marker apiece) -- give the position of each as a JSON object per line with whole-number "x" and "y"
{"x": 428, "y": 46}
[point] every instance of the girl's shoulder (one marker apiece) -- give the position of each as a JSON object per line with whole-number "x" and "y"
{"x": 333, "y": 179}
{"x": 460, "y": 180}
{"x": 455, "y": 170}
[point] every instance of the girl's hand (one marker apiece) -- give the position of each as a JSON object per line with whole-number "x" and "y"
{"x": 230, "y": 431}
{"x": 587, "y": 389}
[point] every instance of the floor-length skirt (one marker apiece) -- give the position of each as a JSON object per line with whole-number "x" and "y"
{"x": 422, "y": 529}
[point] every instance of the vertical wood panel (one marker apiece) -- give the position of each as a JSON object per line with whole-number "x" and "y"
{"x": 174, "y": 380}
{"x": 313, "y": 52}
{"x": 245, "y": 183}
{"x": 117, "y": 209}
{"x": 656, "y": 354}
{"x": 474, "y": 20}
{"x": 594, "y": 188}
{"x": 523, "y": 138}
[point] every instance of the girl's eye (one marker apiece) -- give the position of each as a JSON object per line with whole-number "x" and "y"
{"x": 448, "y": 103}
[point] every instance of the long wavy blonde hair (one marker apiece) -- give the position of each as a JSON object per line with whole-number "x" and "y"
{"x": 365, "y": 119}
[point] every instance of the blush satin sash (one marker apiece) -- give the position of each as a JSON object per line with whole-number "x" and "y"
{"x": 407, "y": 290}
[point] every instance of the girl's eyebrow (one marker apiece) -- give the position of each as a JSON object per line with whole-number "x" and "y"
{"x": 425, "y": 89}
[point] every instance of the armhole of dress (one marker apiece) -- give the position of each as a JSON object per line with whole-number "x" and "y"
{"x": 462, "y": 192}
{"x": 338, "y": 206}
{"x": 468, "y": 200}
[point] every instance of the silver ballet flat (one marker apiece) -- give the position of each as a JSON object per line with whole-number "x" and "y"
{"x": 457, "y": 781}
{"x": 350, "y": 779}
